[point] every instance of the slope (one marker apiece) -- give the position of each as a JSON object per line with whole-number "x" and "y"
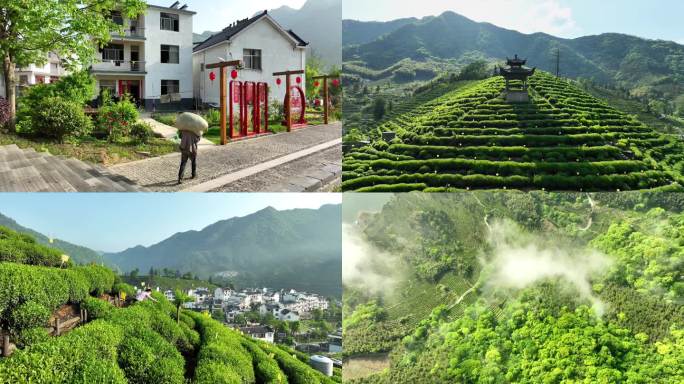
{"x": 361, "y": 32}
{"x": 78, "y": 254}
{"x": 281, "y": 249}
{"x": 564, "y": 139}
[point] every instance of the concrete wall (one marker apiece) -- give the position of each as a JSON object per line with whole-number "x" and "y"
{"x": 156, "y": 71}
{"x": 278, "y": 53}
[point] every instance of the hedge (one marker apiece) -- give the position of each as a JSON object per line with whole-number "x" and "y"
{"x": 48, "y": 288}
{"x": 21, "y": 248}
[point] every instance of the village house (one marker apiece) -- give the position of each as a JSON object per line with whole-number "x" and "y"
{"x": 263, "y": 46}
{"x": 48, "y": 73}
{"x": 259, "y": 332}
{"x": 152, "y": 60}
{"x": 286, "y": 315}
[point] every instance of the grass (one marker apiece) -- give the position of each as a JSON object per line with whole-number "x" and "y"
{"x": 94, "y": 150}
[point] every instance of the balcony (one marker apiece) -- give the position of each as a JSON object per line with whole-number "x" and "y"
{"x": 131, "y": 33}
{"x": 118, "y": 66}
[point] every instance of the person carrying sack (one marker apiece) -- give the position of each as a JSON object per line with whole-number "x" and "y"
{"x": 190, "y": 127}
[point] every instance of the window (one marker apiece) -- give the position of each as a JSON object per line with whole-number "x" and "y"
{"x": 54, "y": 67}
{"x": 168, "y": 22}
{"x": 252, "y": 58}
{"x": 169, "y": 54}
{"x": 117, "y": 18}
{"x": 109, "y": 85}
{"x": 113, "y": 52}
{"x": 170, "y": 86}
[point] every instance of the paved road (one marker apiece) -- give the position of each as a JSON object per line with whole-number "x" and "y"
{"x": 324, "y": 167}
{"x": 159, "y": 174}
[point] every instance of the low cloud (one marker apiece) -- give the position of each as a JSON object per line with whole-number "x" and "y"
{"x": 520, "y": 260}
{"x": 364, "y": 266}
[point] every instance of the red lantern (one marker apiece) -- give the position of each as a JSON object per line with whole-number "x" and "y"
{"x": 233, "y": 74}
{"x": 279, "y": 81}
{"x": 212, "y": 76}
{"x": 336, "y": 82}
{"x": 299, "y": 80}
{"x": 316, "y": 83}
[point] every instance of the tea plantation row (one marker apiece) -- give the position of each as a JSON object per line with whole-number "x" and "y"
{"x": 563, "y": 139}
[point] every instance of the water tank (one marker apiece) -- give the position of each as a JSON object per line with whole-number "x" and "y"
{"x": 322, "y": 364}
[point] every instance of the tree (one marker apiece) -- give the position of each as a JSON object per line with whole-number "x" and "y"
{"x": 179, "y": 299}
{"x": 378, "y": 108}
{"x": 72, "y": 29}
{"x": 134, "y": 273}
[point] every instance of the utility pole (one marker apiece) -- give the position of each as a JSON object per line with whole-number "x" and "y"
{"x": 557, "y": 62}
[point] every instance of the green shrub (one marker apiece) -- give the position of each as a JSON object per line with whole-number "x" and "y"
{"x": 21, "y": 248}
{"x": 213, "y": 117}
{"x": 97, "y": 309}
{"x": 123, "y": 287}
{"x": 33, "y": 336}
{"x": 214, "y": 372}
{"x": 28, "y": 315}
{"x": 100, "y": 279}
{"x": 56, "y": 118}
{"x": 141, "y": 132}
{"x": 148, "y": 358}
{"x": 117, "y": 119}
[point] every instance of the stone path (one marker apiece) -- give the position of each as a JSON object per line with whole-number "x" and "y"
{"x": 160, "y": 173}
{"x": 315, "y": 173}
{"x": 25, "y": 170}
{"x": 168, "y": 132}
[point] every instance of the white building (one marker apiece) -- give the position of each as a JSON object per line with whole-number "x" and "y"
{"x": 264, "y": 47}
{"x": 286, "y": 315}
{"x": 259, "y": 333}
{"x": 151, "y": 60}
{"x": 48, "y": 73}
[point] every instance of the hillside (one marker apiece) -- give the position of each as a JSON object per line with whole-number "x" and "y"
{"x": 643, "y": 66}
{"x": 281, "y": 249}
{"x": 469, "y": 138}
{"x": 361, "y": 32}
{"x": 493, "y": 286}
{"x": 318, "y": 22}
{"x": 78, "y": 254}
{"x": 41, "y": 305}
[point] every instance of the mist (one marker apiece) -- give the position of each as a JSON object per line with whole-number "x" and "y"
{"x": 521, "y": 259}
{"x": 364, "y": 266}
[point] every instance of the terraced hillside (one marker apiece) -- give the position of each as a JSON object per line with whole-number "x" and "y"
{"x": 41, "y": 298}
{"x": 564, "y": 139}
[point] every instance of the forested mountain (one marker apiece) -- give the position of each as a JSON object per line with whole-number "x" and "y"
{"x": 282, "y": 249}
{"x": 318, "y": 22}
{"x": 503, "y": 287}
{"x": 362, "y": 32}
{"x": 638, "y": 64}
{"x": 78, "y": 254}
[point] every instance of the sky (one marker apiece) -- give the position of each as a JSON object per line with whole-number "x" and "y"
{"x": 214, "y": 15}
{"x": 117, "y": 221}
{"x": 654, "y": 19}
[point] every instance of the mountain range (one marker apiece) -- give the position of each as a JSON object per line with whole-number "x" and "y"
{"x": 298, "y": 248}
{"x": 641, "y": 65}
{"x": 78, "y": 254}
{"x": 318, "y": 22}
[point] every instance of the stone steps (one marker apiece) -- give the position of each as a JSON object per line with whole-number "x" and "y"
{"x": 25, "y": 170}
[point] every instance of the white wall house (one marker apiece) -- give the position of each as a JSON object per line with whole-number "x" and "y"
{"x": 264, "y": 47}
{"x": 48, "y": 73}
{"x": 151, "y": 60}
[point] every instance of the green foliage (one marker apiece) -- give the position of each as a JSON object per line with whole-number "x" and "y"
{"x": 20, "y": 248}
{"x": 141, "y": 132}
{"x": 564, "y": 139}
{"x": 147, "y": 358}
{"x": 117, "y": 119}
{"x": 476, "y": 70}
{"x": 128, "y": 289}
{"x": 97, "y": 309}
{"x": 29, "y": 292}
{"x": 166, "y": 118}
{"x": 212, "y": 116}
{"x": 56, "y": 118}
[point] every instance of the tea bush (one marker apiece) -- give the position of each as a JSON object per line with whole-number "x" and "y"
{"x": 22, "y": 249}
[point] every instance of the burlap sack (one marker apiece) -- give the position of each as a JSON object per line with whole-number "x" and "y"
{"x": 191, "y": 122}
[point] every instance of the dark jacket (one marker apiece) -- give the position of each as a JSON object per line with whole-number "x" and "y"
{"x": 189, "y": 142}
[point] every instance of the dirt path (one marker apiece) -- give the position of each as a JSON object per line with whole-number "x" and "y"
{"x": 592, "y": 203}
{"x": 365, "y": 365}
